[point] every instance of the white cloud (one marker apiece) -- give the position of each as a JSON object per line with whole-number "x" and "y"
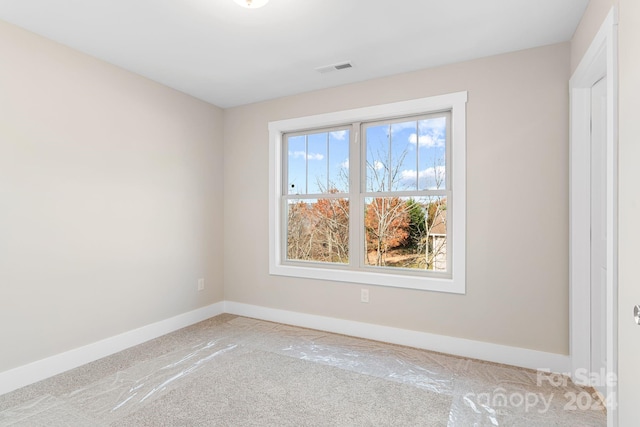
{"x": 339, "y": 134}
{"x": 432, "y": 172}
{"x": 302, "y": 154}
{"x": 397, "y": 127}
{"x": 345, "y": 164}
{"x": 429, "y": 174}
{"x": 426, "y": 140}
{"x": 377, "y": 165}
{"x": 408, "y": 175}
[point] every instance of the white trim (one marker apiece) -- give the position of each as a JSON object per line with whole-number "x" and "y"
{"x": 580, "y": 229}
{"x": 456, "y": 102}
{"x": 515, "y": 356}
{"x": 45, "y": 368}
{"x": 600, "y": 60}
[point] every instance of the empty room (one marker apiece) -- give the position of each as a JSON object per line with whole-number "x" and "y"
{"x": 319, "y": 213}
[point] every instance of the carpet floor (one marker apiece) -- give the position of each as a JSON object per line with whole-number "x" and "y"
{"x": 235, "y": 371}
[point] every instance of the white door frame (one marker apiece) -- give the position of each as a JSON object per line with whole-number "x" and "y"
{"x": 599, "y": 60}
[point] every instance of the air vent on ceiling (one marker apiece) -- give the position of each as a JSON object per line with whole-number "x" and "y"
{"x": 334, "y": 67}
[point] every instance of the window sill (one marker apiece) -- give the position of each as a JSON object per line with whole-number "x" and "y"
{"x": 454, "y": 285}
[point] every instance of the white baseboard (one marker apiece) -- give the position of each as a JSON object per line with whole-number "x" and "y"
{"x": 497, "y": 353}
{"x": 45, "y": 368}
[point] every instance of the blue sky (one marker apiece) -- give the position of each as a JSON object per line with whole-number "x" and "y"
{"x": 414, "y": 148}
{"x": 325, "y": 155}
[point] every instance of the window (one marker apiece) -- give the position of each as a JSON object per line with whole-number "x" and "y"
{"x": 374, "y": 195}
{"x": 316, "y": 195}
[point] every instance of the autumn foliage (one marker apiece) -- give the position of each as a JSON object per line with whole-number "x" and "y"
{"x": 319, "y": 231}
{"x": 387, "y": 225}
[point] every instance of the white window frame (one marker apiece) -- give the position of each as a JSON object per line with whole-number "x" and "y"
{"x": 456, "y": 283}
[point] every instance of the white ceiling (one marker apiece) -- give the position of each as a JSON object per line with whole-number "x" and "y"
{"x": 227, "y": 55}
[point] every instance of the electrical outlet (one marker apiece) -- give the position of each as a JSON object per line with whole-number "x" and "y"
{"x": 364, "y": 295}
{"x": 201, "y": 284}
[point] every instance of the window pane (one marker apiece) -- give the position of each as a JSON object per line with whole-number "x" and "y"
{"x": 406, "y": 156}
{"x": 317, "y": 163}
{"x": 339, "y": 161}
{"x": 297, "y": 165}
{"x": 406, "y": 232}
{"x": 377, "y": 167}
{"x": 318, "y": 230}
{"x": 403, "y": 156}
{"x": 431, "y": 141}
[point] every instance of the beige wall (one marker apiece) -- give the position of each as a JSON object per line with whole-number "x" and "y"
{"x": 110, "y": 200}
{"x": 517, "y": 205}
{"x": 629, "y": 212}
{"x": 589, "y": 25}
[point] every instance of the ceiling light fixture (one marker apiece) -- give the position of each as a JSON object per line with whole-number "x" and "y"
{"x": 251, "y": 4}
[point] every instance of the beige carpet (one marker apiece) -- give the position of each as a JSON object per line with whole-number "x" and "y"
{"x": 259, "y": 388}
{"x": 233, "y": 371}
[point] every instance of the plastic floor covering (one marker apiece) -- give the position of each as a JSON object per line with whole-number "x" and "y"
{"x": 238, "y": 371}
